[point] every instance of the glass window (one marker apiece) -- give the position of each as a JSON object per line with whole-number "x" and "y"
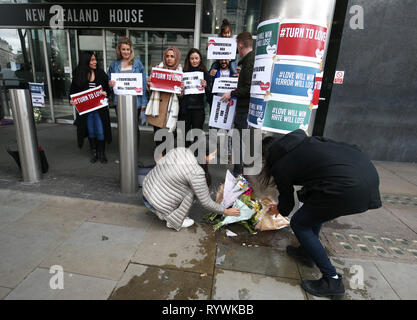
{"x": 15, "y": 64}
{"x": 112, "y": 37}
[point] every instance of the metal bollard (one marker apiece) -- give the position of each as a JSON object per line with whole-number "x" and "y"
{"x": 127, "y": 123}
{"x": 27, "y": 140}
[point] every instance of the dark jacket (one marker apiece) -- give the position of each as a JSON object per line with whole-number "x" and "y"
{"x": 242, "y": 93}
{"x": 337, "y": 178}
{"x": 81, "y": 121}
{"x": 195, "y": 101}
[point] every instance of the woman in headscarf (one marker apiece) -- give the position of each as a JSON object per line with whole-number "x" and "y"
{"x": 163, "y": 107}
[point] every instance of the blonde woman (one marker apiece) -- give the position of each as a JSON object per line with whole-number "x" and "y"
{"x": 127, "y": 63}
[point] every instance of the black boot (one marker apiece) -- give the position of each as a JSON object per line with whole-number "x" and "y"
{"x": 300, "y": 255}
{"x": 325, "y": 287}
{"x": 100, "y": 151}
{"x": 93, "y": 149}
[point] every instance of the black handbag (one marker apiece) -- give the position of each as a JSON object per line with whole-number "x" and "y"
{"x": 42, "y": 157}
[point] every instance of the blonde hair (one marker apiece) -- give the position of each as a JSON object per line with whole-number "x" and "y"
{"x": 125, "y": 40}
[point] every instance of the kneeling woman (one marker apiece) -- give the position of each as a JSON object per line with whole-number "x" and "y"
{"x": 169, "y": 189}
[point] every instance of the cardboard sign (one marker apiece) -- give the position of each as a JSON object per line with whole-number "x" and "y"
{"x": 294, "y": 79}
{"x": 301, "y": 40}
{"x": 192, "y": 82}
{"x": 222, "y": 113}
{"x": 37, "y": 91}
{"x": 224, "y": 84}
{"x": 267, "y": 38}
{"x": 166, "y": 80}
{"x": 256, "y": 113}
{"x": 129, "y": 84}
{"x": 261, "y": 76}
{"x": 221, "y": 48}
{"x": 317, "y": 87}
{"x": 338, "y": 77}
{"x": 286, "y": 116}
{"x": 89, "y": 100}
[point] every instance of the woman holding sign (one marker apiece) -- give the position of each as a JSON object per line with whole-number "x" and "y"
{"x": 94, "y": 124}
{"x": 192, "y": 108}
{"x": 163, "y": 107}
{"x": 127, "y": 63}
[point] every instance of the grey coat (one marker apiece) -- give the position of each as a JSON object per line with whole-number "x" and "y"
{"x": 170, "y": 187}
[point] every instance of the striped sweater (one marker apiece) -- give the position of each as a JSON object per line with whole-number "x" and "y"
{"x": 171, "y": 185}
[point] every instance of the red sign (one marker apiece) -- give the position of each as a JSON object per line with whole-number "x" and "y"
{"x": 264, "y": 86}
{"x": 303, "y": 40}
{"x": 166, "y": 80}
{"x": 317, "y": 87}
{"x": 89, "y": 100}
{"x": 338, "y": 77}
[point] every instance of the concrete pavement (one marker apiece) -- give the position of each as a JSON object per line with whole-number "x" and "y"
{"x": 110, "y": 247}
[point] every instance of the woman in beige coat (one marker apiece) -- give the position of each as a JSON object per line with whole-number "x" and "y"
{"x": 162, "y": 109}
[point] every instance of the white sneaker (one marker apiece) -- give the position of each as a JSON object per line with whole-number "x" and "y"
{"x": 187, "y": 223}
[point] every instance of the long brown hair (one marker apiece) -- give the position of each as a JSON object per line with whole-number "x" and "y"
{"x": 265, "y": 175}
{"x": 187, "y": 62}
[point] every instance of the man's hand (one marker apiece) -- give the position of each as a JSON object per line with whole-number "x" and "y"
{"x": 226, "y": 97}
{"x": 213, "y": 72}
{"x": 232, "y": 212}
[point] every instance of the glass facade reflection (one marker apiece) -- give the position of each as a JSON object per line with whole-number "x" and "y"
{"x": 22, "y": 53}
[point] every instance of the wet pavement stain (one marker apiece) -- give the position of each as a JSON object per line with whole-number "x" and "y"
{"x": 159, "y": 284}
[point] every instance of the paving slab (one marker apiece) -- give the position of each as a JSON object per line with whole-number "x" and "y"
{"x": 373, "y": 285}
{"x": 407, "y": 171}
{"x": 30, "y": 239}
{"x": 97, "y": 250}
{"x": 141, "y": 282}
{"x": 22, "y": 199}
{"x": 9, "y": 214}
{"x": 407, "y": 215}
{"x": 261, "y": 260}
{"x": 190, "y": 249}
{"x": 120, "y": 214}
{"x": 394, "y": 184}
{"x": 235, "y": 285}
{"x": 75, "y": 287}
{"x": 401, "y": 277}
{"x": 4, "y": 292}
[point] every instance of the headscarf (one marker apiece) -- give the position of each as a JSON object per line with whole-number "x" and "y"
{"x": 177, "y": 54}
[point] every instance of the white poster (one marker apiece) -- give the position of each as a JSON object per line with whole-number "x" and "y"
{"x": 261, "y": 76}
{"x": 221, "y": 48}
{"x": 224, "y": 84}
{"x": 129, "y": 84}
{"x": 192, "y": 82}
{"x": 222, "y": 113}
{"x": 37, "y": 91}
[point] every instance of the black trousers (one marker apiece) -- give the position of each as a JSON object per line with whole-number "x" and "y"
{"x": 194, "y": 119}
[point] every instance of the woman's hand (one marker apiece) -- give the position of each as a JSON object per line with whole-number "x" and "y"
{"x": 112, "y": 83}
{"x": 182, "y": 87}
{"x": 232, "y": 212}
{"x": 72, "y": 102}
{"x": 213, "y": 72}
{"x": 273, "y": 209}
{"x": 104, "y": 93}
{"x": 143, "y": 108}
{"x": 204, "y": 83}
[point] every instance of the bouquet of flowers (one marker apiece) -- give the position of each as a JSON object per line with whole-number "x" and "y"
{"x": 254, "y": 213}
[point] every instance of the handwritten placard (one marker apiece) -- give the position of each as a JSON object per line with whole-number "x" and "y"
{"x": 192, "y": 82}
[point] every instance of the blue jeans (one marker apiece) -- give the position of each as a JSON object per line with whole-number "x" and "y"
{"x": 147, "y": 204}
{"x": 94, "y": 125}
{"x": 306, "y": 226}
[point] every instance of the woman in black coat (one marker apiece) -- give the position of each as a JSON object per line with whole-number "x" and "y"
{"x": 192, "y": 106}
{"x": 96, "y": 124}
{"x": 337, "y": 179}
